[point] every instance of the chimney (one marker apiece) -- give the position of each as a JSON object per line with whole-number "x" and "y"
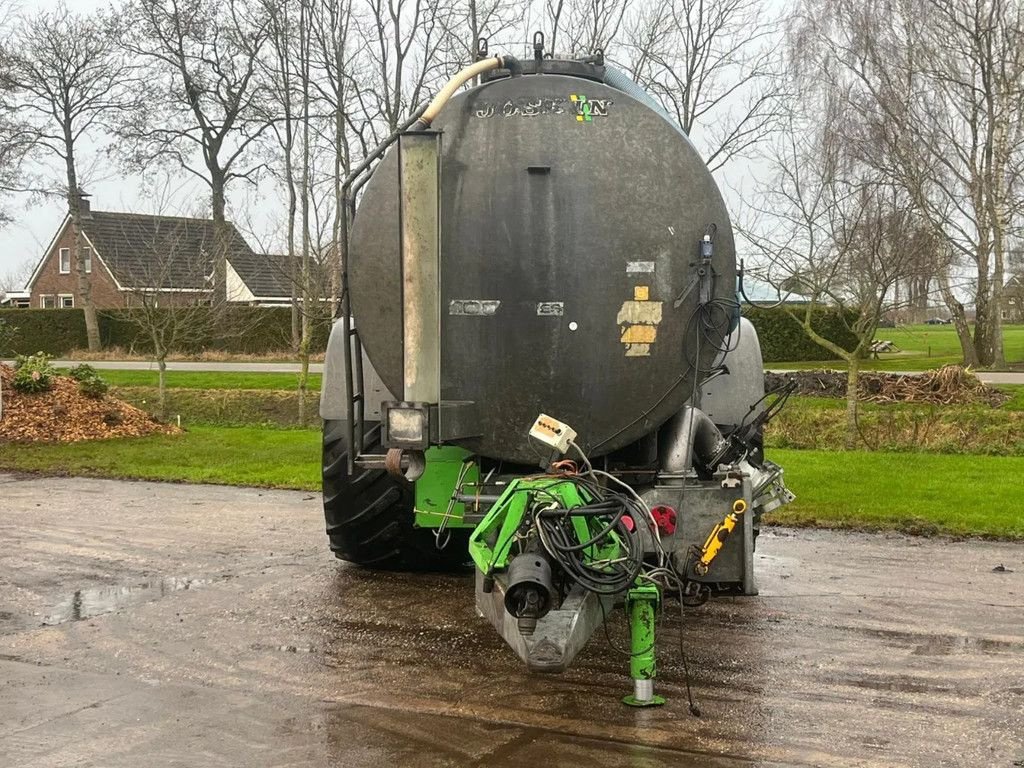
{"x": 84, "y": 208}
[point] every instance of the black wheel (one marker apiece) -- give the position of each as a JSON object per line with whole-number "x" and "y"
{"x": 369, "y": 517}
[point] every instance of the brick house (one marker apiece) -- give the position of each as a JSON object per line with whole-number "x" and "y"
{"x": 128, "y": 253}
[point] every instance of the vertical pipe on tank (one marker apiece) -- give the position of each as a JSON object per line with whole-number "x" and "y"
{"x": 419, "y": 155}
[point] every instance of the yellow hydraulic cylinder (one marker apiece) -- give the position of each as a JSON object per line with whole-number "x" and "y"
{"x": 716, "y": 539}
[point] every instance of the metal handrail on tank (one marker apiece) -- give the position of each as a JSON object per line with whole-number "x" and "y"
{"x": 420, "y": 119}
{"x": 355, "y": 402}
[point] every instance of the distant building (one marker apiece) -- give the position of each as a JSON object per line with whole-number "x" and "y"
{"x": 1013, "y": 300}
{"x": 125, "y": 253}
{"x": 15, "y": 300}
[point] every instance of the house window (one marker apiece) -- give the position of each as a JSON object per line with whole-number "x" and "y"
{"x": 47, "y": 302}
{"x": 87, "y": 259}
{"x": 65, "y": 261}
{"x": 67, "y": 301}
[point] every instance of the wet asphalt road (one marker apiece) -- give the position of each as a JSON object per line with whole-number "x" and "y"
{"x": 168, "y": 625}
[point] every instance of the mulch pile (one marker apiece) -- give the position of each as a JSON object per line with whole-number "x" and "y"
{"x": 65, "y": 415}
{"x": 949, "y": 385}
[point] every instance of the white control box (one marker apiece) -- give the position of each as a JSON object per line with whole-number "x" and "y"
{"x": 553, "y": 433}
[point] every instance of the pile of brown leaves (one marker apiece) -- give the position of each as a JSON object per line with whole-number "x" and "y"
{"x": 949, "y": 385}
{"x": 65, "y": 415}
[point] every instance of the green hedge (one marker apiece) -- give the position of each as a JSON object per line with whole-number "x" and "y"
{"x": 244, "y": 330}
{"x": 783, "y": 339}
{"x": 54, "y": 331}
{"x": 263, "y": 330}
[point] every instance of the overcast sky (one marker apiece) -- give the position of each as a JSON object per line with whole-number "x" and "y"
{"x": 254, "y": 210}
{"x": 174, "y": 194}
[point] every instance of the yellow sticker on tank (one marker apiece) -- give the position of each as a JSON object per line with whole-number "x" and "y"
{"x": 644, "y": 312}
{"x": 639, "y": 334}
{"x": 638, "y": 320}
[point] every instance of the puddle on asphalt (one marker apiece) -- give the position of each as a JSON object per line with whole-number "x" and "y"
{"x": 87, "y": 603}
{"x": 947, "y": 645}
{"x": 942, "y": 645}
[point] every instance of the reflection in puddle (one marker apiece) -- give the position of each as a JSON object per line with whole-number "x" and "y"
{"x": 86, "y": 603}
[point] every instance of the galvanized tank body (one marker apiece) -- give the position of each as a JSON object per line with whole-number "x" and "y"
{"x": 571, "y": 216}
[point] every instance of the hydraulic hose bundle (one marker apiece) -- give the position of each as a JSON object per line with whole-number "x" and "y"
{"x": 608, "y": 561}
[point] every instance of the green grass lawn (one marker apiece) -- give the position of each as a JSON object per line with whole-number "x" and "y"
{"x": 919, "y": 492}
{"x": 929, "y": 493}
{"x": 922, "y": 347}
{"x": 210, "y": 380}
{"x": 275, "y": 458}
{"x": 1016, "y": 391}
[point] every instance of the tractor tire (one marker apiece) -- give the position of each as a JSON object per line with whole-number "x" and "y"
{"x": 369, "y": 516}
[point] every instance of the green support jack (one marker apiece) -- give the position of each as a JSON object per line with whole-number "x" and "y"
{"x": 642, "y": 603}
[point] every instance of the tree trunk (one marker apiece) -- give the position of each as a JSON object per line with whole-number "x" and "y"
{"x": 294, "y": 277}
{"x": 983, "y": 310}
{"x": 221, "y": 235}
{"x": 852, "y": 380}
{"x": 92, "y": 326}
{"x": 303, "y": 379}
{"x": 998, "y": 276}
{"x": 983, "y": 332}
{"x": 306, "y": 191}
{"x": 963, "y": 330}
{"x": 161, "y": 364}
{"x": 998, "y": 350}
{"x": 340, "y": 221}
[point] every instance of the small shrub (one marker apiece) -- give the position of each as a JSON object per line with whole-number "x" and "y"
{"x": 90, "y": 383}
{"x": 33, "y": 373}
{"x": 93, "y": 386}
{"x": 82, "y": 371}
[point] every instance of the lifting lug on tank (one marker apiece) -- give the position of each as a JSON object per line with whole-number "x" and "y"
{"x": 538, "y": 49}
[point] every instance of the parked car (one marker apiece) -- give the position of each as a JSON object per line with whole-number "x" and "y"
{"x": 938, "y": 321}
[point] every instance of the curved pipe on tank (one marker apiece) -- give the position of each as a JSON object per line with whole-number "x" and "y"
{"x": 689, "y": 435}
{"x": 461, "y": 78}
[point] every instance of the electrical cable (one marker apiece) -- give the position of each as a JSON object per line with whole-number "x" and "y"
{"x": 442, "y": 527}
{"x": 558, "y": 534}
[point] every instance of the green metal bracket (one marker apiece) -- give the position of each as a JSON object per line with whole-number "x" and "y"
{"x": 490, "y": 545}
{"x": 435, "y": 488}
{"x": 642, "y": 604}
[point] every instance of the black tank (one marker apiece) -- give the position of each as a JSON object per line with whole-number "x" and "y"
{"x": 572, "y": 216}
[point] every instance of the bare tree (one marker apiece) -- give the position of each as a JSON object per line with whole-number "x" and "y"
{"x": 68, "y": 79}
{"x": 309, "y": 61}
{"x": 831, "y": 231}
{"x": 15, "y": 278}
{"x": 331, "y": 36}
{"x": 937, "y": 86}
{"x": 16, "y": 139}
{"x": 714, "y": 65}
{"x": 280, "y": 75}
{"x": 202, "y": 57}
{"x": 169, "y": 295}
{"x": 583, "y": 26}
{"x": 472, "y": 20}
{"x": 402, "y": 42}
